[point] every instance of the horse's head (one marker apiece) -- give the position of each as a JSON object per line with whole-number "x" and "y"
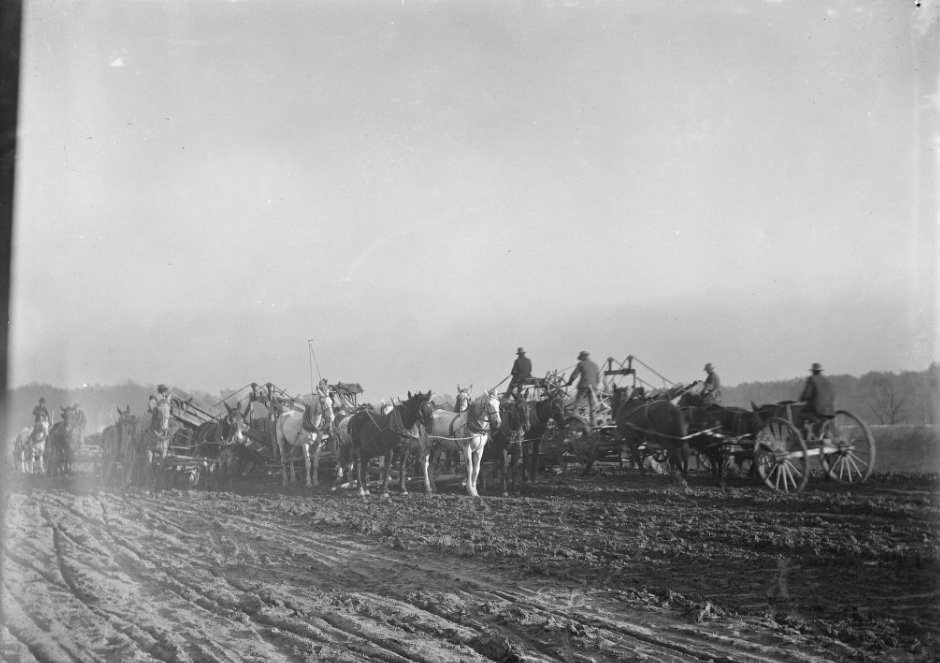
{"x": 485, "y": 410}
{"x": 416, "y": 407}
{"x": 463, "y": 398}
{"x": 235, "y": 423}
{"x": 515, "y": 417}
{"x": 160, "y": 417}
{"x": 326, "y": 407}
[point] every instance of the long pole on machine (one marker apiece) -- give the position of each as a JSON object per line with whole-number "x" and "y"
{"x": 313, "y": 361}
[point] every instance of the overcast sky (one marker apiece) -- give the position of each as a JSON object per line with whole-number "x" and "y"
{"x": 420, "y": 187}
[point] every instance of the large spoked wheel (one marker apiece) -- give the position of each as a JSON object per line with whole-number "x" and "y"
{"x": 848, "y": 448}
{"x": 780, "y": 456}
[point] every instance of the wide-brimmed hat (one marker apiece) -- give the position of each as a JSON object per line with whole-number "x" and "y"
{"x": 816, "y": 367}
{"x": 708, "y": 367}
{"x": 520, "y": 351}
{"x": 583, "y": 354}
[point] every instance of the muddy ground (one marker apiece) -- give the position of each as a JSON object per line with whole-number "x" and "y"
{"x": 609, "y": 567}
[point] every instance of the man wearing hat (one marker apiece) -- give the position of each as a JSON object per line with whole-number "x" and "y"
{"x": 163, "y": 394}
{"x": 711, "y": 388}
{"x": 521, "y": 371}
{"x": 40, "y": 412}
{"x": 590, "y": 378}
{"x": 819, "y": 399}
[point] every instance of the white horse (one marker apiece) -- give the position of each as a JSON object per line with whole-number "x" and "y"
{"x": 30, "y": 447}
{"x": 465, "y": 432}
{"x": 304, "y": 429}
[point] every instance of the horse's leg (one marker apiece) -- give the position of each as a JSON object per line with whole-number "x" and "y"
{"x": 466, "y": 454}
{"x": 386, "y": 469}
{"x": 474, "y": 458}
{"x": 403, "y": 469}
{"x": 281, "y": 444}
{"x": 425, "y": 467}
{"x": 360, "y": 463}
{"x": 536, "y": 453}
{"x": 316, "y": 462}
{"x": 306, "y": 449}
{"x": 504, "y": 469}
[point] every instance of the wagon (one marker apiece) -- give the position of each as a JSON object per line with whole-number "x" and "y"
{"x": 782, "y": 449}
{"x": 585, "y": 441}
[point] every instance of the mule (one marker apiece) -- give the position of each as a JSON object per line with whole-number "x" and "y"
{"x": 151, "y": 444}
{"x": 377, "y": 434}
{"x": 304, "y": 430}
{"x": 654, "y": 423}
{"x": 116, "y": 445}
{"x": 211, "y": 439}
{"x": 466, "y": 432}
{"x": 505, "y": 445}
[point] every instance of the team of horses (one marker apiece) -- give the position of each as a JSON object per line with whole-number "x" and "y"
{"x": 412, "y": 435}
{"x": 47, "y": 448}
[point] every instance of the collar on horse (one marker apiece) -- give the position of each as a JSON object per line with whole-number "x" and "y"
{"x": 478, "y": 424}
{"x": 309, "y": 423}
{"x": 396, "y": 426}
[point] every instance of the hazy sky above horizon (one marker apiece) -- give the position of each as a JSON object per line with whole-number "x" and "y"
{"x": 421, "y": 187}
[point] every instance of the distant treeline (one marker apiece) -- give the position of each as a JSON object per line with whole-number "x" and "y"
{"x": 908, "y": 397}
{"x": 98, "y": 402}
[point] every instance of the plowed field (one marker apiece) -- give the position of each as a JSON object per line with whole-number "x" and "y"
{"x": 609, "y": 567}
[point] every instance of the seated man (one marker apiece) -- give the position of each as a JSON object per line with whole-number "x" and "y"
{"x": 818, "y": 397}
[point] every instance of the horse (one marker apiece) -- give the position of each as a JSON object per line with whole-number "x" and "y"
{"x": 210, "y": 436}
{"x": 714, "y": 420}
{"x": 505, "y": 445}
{"x": 466, "y": 432}
{"x": 378, "y": 434}
{"x": 30, "y": 447}
{"x": 116, "y": 444}
{"x": 304, "y": 429}
{"x": 63, "y": 439}
{"x": 151, "y": 444}
{"x": 541, "y": 412}
{"x": 654, "y": 422}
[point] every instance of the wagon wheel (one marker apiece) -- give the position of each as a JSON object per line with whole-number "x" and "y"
{"x": 578, "y": 447}
{"x": 780, "y": 456}
{"x": 848, "y": 448}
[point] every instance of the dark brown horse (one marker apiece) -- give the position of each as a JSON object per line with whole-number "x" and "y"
{"x": 505, "y": 445}
{"x": 116, "y": 445}
{"x": 541, "y": 412}
{"x": 716, "y": 424}
{"x": 655, "y": 424}
{"x": 64, "y": 438}
{"x": 373, "y": 434}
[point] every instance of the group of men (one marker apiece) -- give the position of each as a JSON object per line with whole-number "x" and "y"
{"x": 818, "y": 395}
